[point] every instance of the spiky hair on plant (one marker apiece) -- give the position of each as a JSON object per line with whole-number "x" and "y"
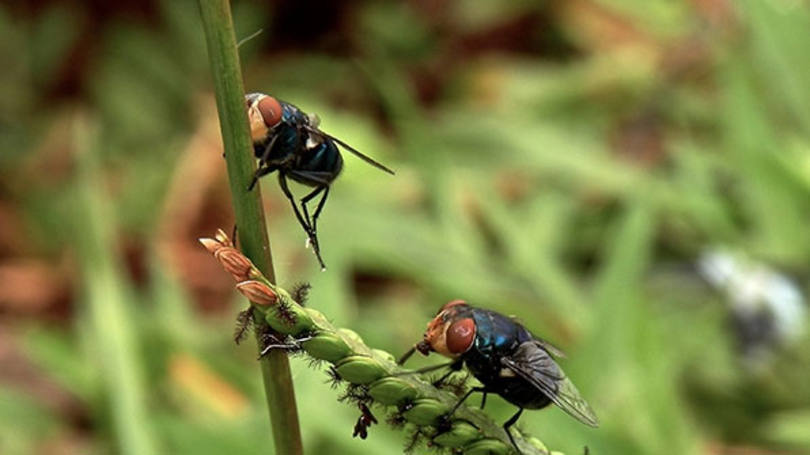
{"x": 372, "y": 376}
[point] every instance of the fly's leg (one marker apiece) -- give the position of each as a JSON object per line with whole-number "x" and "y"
{"x": 263, "y": 168}
{"x": 268, "y": 150}
{"x": 439, "y": 381}
{"x": 466, "y": 395}
{"x": 318, "y": 209}
{"x": 282, "y": 181}
{"x": 304, "y": 200}
{"x": 313, "y": 222}
{"x": 508, "y": 424}
{"x": 455, "y": 366}
{"x": 444, "y": 421}
{"x": 312, "y": 237}
{"x": 484, "y": 400}
{"x": 260, "y": 172}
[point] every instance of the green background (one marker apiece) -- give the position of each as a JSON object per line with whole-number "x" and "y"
{"x": 567, "y": 162}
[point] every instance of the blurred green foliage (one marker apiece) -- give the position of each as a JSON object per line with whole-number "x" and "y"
{"x": 566, "y": 162}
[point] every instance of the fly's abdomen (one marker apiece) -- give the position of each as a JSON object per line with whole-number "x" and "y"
{"x": 521, "y": 393}
{"x": 323, "y": 161}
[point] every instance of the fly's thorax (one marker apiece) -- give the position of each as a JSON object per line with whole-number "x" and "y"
{"x": 452, "y": 332}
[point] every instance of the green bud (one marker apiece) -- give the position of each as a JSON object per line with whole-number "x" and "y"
{"x": 318, "y": 318}
{"x": 460, "y": 434}
{"x": 425, "y": 411}
{"x": 288, "y": 318}
{"x": 392, "y": 391}
{"x": 487, "y": 447}
{"x": 350, "y": 334}
{"x": 327, "y": 346}
{"x": 384, "y": 355}
{"x": 359, "y": 369}
{"x": 538, "y": 444}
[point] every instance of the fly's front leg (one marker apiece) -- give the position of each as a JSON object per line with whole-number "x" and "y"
{"x": 268, "y": 150}
{"x": 260, "y": 172}
{"x": 264, "y": 167}
{"x": 456, "y": 366}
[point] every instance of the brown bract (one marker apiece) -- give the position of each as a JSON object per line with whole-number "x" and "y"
{"x": 257, "y": 292}
{"x": 232, "y": 260}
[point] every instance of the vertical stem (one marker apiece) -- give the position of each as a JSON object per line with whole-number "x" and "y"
{"x": 248, "y": 211}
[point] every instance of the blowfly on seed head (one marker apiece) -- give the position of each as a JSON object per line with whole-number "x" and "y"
{"x": 505, "y": 357}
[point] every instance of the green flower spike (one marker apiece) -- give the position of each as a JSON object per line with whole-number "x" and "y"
{"x": 372, "y": 373}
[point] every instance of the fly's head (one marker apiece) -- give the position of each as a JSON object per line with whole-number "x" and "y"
{"x": 451, "y": 333}
{"x": 264, "y": 114}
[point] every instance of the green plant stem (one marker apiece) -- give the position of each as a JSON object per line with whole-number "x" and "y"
{"x": 248, "y": 211}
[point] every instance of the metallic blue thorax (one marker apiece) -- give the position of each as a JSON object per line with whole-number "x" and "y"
{"x": 312, "y": 162}
{"x": 496, "y": 337}
{"x": 497, "y": 334}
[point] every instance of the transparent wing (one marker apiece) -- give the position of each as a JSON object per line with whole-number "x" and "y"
{"x": 348, "y": 147}
{"x": 550, "y": 348}
{"x": 534, "y": 364}
{"x": 553, "y": 350}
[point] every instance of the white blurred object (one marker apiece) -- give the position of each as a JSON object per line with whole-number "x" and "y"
{"x": 767, "y": 306}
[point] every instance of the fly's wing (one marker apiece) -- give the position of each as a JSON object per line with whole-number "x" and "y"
{"x": 532, "y": 363}
{"x": 348, "y": 147}
{"x": 550, "y": 348}
{"x": 322, "y": 178}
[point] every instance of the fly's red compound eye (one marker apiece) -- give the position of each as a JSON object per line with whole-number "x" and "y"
{"x": 460, "y": 335}
{"x": 270, "y": 109}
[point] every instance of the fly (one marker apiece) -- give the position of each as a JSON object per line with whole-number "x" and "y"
{"x": 287, "y": 140}
{"x": 505, "y": 357}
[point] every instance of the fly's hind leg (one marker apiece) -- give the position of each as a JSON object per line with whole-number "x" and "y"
{"x": 312, "y": 237}
{"x": 282, "y": 181}
{"x": 508, "y": 424}
{"x": 314, "y": 220}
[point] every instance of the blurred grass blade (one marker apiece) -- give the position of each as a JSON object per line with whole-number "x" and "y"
{"x": 108, "y": 305}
